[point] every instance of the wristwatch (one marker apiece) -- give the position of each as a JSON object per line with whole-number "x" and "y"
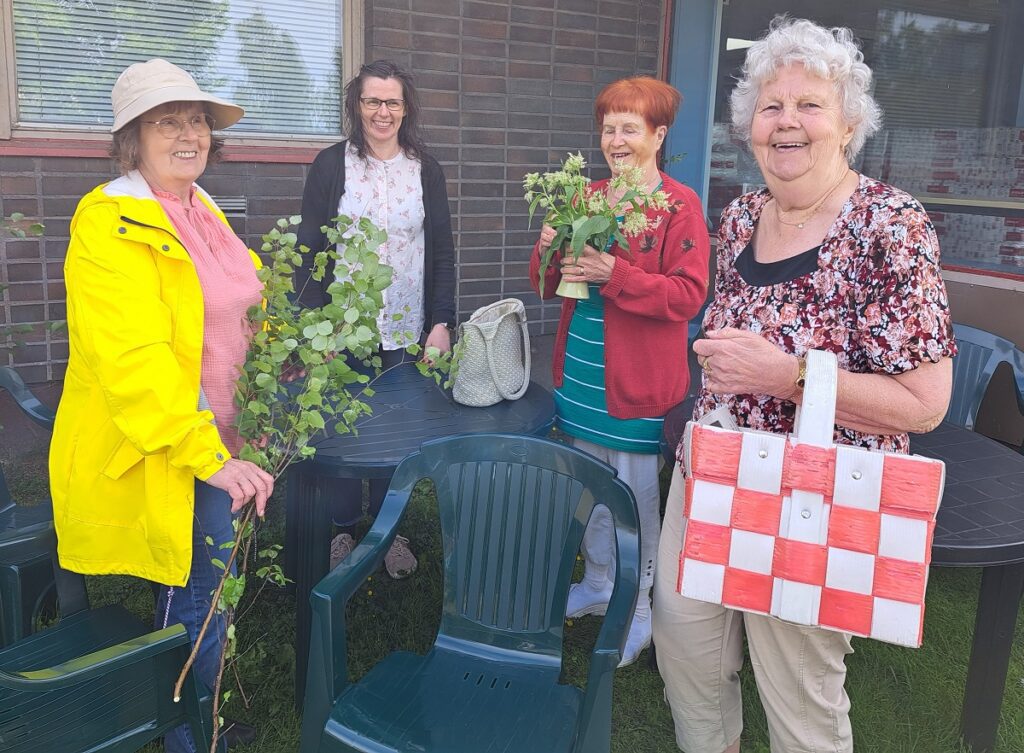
{"x": 801, "y": 374}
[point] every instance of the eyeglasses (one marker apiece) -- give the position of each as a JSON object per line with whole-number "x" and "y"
{"x": 372, "y": 103}
{"x": 172, "y": 128}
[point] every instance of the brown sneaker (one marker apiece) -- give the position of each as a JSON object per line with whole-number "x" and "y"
{"x": 341, "y": 547}
{"x": 399, "y": 561}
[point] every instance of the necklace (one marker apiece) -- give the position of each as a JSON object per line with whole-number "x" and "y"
{"x": 811, "y": 210}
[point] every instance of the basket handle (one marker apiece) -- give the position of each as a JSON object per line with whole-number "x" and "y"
{"x": 526, "y": 356}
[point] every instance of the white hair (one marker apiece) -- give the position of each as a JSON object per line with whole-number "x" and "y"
{"x": 831, "y": 54}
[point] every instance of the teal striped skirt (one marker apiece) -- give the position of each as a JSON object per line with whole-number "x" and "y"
{"x": 582, "y": 410}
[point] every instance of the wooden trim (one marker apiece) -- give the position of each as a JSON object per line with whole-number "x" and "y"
{"x": 353, "y": 45}
{"x": 983, "y": 203}
{"x": 8, "y": 85}
{"x": 93, "y": 148}
{"x": 983, "y": 277}
{"x": 666, "y": 40}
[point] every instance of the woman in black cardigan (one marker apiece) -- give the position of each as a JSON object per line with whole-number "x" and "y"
{"x": 383, "y": 172}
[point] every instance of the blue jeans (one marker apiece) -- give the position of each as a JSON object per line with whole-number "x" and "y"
{"x": 189, "y": 604}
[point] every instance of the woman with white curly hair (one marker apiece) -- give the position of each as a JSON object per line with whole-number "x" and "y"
{"x": 822, "y": 258}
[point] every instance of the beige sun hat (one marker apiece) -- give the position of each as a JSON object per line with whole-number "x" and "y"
{"x": 143, "y": 86}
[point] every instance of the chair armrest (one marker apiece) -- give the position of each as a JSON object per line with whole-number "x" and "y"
{"x": 327, "y": 673}
{"x": 28, "y": 402}
{"x": 96, "y": 664}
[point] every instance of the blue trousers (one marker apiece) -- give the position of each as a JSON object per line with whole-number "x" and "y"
{"x": 189, "y": 604}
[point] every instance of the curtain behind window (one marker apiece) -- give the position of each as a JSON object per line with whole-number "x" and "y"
{"x": 279, "y": 60}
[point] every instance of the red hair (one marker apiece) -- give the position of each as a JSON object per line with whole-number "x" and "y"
{"x": 655, "y": 100}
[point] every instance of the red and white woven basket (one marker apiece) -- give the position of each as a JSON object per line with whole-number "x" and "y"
{"x": 809, "y": 531}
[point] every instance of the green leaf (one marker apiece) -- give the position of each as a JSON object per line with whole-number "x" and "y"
{"x": 352, "y": 315}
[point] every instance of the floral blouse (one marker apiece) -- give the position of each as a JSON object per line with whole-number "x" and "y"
{"x": 876, "y": 300}
{"x": 390, "y": 193}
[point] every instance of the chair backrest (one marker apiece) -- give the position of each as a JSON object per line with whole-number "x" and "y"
{"x": 980, "y": 354}
{"x": 29, "y": 403}
{"x": 513, "y": 510}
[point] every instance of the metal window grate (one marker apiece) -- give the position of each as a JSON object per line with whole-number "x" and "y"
{"x": 233, "y": 206}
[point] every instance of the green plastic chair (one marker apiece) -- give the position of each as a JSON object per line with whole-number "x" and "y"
{"x": 26, "y": 536}
{"x": 513, "y": 510}
{"x": 980, "y": 354}
{"x": 99, "y": 681}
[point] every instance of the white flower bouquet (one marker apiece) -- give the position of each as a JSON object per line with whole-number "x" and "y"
{"x": 582, "y": 216}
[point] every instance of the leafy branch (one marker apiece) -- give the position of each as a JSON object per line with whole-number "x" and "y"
{"x": 299, "y": 380}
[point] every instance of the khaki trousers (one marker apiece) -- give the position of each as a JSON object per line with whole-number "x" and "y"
{"x": 799, "y": 670}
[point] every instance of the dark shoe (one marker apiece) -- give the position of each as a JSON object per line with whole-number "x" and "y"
{"x": 237, "y": 733}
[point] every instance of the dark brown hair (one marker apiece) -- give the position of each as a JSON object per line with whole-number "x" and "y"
{"x": 125, "y": 146}
{"x": 409, "y": 132}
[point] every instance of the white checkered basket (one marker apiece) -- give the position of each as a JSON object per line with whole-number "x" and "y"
{"x": 808, "y": 531}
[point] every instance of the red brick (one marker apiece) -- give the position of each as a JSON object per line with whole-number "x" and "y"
{"x": 433, "y": 43}
{"x": 485, "y": 29}
{"x": 485, "y": 66}
{"x": 580, "y": 73}
{"x": 26, "y": 249}
{"x": 620, "y": 10}
{"x": 539, "y": 34}
{"x": 485, "y": 11}
{"x": 28, "y": 313}
{"x": 434, "y": 25}
{"x": 484, "y": 136}
{"x": 437, "y": 80}
{"x": 485, "y": 48}
{"x": 18, "y": 185}
{"x": 434, "y": 61}
{"x": 25, "y": 272}
{"x": 386, "y": 18}
{"x": 392, "y": 38}
{"x": 576, "y": 21}
{"x": 483, "y": 84}
{"x": 534, "y": 16}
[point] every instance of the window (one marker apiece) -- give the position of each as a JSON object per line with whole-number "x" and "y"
{"x": 280, "y": 60}
{"x": 948, "y": 76}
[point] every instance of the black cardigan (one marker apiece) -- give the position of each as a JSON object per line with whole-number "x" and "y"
{"x": 324, "y": 187}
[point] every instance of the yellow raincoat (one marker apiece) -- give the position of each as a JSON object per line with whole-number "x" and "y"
{"x": 129, "y": 440}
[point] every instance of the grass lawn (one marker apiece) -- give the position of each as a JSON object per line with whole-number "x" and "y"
{"x": 904, "y": 701}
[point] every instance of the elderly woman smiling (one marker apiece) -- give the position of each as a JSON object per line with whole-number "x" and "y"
{"x": 142, "y": 464}
{"x": 823, "y": 258}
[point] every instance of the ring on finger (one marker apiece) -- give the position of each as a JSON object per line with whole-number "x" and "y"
{"x": 706, "y": 365}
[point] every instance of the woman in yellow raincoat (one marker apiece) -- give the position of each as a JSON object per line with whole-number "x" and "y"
{"x": 158, "y": 286}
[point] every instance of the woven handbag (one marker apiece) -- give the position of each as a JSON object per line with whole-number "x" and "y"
{"x": 494, "y": 355}
{"x": 808, "y": 531}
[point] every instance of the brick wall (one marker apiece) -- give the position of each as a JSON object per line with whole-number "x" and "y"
{"x": 508, "y": 87}
{"x": 49, "y": 188}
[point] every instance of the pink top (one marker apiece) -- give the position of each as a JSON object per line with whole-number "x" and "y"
{"x": 230, "y": 287}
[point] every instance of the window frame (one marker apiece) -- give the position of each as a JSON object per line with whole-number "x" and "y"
{"x": 48, "y": 140}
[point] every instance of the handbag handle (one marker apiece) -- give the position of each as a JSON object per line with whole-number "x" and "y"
{"x": 816, "y": 414}
{"x": 526, "y": 356}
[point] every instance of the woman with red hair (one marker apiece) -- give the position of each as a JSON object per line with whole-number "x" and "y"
{"x": 620, "y": 361}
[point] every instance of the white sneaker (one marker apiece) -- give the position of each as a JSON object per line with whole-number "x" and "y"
{"x": 638, "y": 639}
{"x": 584, "y": 600}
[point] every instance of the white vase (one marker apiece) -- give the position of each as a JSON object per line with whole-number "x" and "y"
{"x": 578, "y": 290}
